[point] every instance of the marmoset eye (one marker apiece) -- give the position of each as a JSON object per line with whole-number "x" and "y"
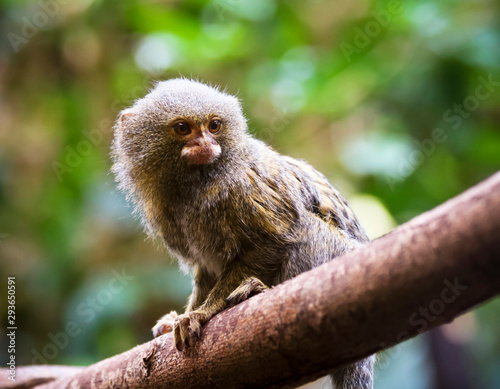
{"x": 215, "y": 126}
{"x": 182, "y": 128}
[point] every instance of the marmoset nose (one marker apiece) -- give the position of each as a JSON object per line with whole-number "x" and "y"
{"x": 201, "y": 150}
{"x": 202, "y": 140}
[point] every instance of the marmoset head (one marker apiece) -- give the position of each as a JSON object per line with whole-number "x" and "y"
{"x": 179, "y": 124}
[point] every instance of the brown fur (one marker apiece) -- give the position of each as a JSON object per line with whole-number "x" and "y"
{"x": 250, "y": 218}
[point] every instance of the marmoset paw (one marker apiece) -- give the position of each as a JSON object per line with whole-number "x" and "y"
{"x": 186, "y": 328}
{"x": 165, "y": 324}
{"x": 248, "y": 288}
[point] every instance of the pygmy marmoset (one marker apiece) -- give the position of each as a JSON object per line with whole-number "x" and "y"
{"x": 240, "y": 215}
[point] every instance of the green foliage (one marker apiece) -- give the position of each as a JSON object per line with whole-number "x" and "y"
{"x": 395, "y": 100}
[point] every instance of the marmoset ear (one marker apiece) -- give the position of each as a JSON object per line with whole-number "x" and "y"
{"x": 125, "y": 117}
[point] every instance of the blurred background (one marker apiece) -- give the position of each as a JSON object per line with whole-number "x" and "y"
{"x": 397, "y": 103}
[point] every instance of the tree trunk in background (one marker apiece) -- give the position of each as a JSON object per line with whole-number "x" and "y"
{"x": 449, "y": 362}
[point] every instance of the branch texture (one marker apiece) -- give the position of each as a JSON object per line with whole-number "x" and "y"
{"x": 421, "y": 275}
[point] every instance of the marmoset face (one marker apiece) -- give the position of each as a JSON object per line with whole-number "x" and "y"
{"x": 181, "y": 122}
{"x": 199, "y": 138}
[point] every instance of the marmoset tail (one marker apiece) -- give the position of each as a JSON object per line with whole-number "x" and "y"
{"x": 240, "y": 215}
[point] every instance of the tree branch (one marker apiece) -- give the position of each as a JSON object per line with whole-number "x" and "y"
{"x": 423, "y": 274}
{"x": 33, "y": 376}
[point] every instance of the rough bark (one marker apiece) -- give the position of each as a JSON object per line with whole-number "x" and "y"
{"x": 423, "y": 274}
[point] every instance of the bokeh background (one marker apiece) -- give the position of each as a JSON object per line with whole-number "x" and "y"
{"x": 383, "y": 97}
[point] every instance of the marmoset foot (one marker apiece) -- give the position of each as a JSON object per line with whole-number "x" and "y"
{"x": 187, "y": 328}
{"x": 165, "y": 324}
{"x": 248, "y": 288}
